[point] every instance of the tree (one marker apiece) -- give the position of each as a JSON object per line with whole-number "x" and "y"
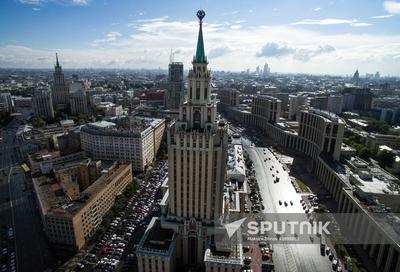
{"x": 385, "y": 158}
{"x": 38, "y": 122}
{"x": 364, "y": 153}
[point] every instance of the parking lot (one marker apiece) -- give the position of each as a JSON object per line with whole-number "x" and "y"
{"x": 8, "y": 258}
{"x": 114, "y": 250}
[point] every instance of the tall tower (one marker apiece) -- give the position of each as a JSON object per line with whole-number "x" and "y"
{"x": 175, "y": 92}
{"x": 197, "y": 150}
{"x": 192, "y": 208}
{"x": 60, "y": 90}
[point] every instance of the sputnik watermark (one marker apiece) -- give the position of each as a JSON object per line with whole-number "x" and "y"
{"x": 288, "y": 227}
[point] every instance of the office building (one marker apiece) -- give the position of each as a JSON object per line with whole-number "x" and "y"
{"x": 319, "y": 102}
{"x": 6, "y": 103}
{"x": 134, "y": 140}
{"x": 78, "y": 102}
{"x": 335, "y": 104}
{"x": 268, "y": 107}
{"x": 175, "y": 93}
{"x": 358, "y": 99}
{"x": 22, "y": 102}
{"x": 321, "y": 130}
{"x": 284, "y": 98}
{"x": 42, "y": 104}
{"x": 183, "y": 238}
{"x": 70, "y": 215}
{"x": 295, "y": 104}
{"x": 229, "y": 97}
{"x": 60, "y": 89}
{"x": 267, "y": 70}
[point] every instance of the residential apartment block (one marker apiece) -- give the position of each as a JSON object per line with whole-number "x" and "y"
{"x": 71, "y": 216}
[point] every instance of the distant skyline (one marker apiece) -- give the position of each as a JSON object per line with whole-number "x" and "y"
{"x": 316, "y": 37}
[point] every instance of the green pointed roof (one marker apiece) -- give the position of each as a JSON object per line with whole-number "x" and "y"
{"x": 200, "y": 54}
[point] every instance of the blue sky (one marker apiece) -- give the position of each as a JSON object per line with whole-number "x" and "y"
{"x": 313, "y": 36}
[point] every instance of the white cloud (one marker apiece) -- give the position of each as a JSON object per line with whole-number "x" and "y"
{"x": 235, "y": 26}
{"x": 66, "y": 2}
{"x": 32, "y": 2}
{"x": 317, "y": 9}
{"x": 109, "y": 38}
{"x": 80, "y": 2}
{"x": 392, "y": 7}
{"x": 149, "y": 46}
{"x": 353, "y": 22}
{"x": 218, "y": 52}
{"x": 36, "y": 9}
{"x": 382, "y": 16}
{"x": 277, "y": 50}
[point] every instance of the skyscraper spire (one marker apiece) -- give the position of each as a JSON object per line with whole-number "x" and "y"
{"x": 200, "y": 54}
{"x": 57, "y": 64}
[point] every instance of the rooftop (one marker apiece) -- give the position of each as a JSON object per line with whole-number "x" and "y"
{"x": 329, "y": 116}
{"x": 156, "y": 239}
{"x": 55, "y": 201}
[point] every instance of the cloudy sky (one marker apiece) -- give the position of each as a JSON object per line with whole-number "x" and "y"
{"x": 313, "y": 36}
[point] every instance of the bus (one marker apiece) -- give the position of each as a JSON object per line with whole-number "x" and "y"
{"x": 25, "y": 167}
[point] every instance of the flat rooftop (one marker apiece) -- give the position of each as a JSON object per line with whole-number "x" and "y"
{"x": 54, "y": 201}
{"x": 122, "y": 126}
{"x": 156, "y": 239}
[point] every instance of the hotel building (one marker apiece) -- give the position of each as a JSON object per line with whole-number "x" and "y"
{"x": 183, "y": 238}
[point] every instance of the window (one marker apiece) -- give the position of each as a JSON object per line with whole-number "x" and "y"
{"x": 205, "y": 93}
{"x": 197, "y": 89}
{"x": 196, "y": 119}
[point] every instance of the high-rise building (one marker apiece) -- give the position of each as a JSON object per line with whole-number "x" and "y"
{"x": 335, "y": 104}
{"x": 295, "y": 103}
{"x": 60, "y": 90}
{"x": 42, "y": 104}
{"x": 319, "y": 102}
{"x": 6, "y": 103}
{"x": 356, "y": 76}
{"x": 267, "y": 69}
{"x": 229, "y": 97}
{"x": 175, "y": 92}
{"x": 359, "y": 99}
{"x": 266, "y": 106}
{"x": 79, "y": 102}
{"x": 183, "y": 238}
{"x": 322, "y": 131}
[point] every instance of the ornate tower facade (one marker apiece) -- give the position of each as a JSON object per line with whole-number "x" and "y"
{"x": 60, "y": 90}
{"x": 193, "y": 206}
{"x": 197, "y": 150}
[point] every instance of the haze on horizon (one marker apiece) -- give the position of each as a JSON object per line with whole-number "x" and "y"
{"x": 317, "y": 37}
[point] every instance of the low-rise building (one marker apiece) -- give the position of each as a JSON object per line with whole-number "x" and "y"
{"x": 374, "y": 140}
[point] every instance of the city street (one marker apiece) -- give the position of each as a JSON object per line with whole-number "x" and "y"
{"x": 287, "y": 257}
{"x": 18, "y": 210}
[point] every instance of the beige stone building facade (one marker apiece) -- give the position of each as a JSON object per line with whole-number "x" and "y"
{"x": 193, "y": 205}
{"x": 71, "y": 216}
{"x": 136, "y": 141}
